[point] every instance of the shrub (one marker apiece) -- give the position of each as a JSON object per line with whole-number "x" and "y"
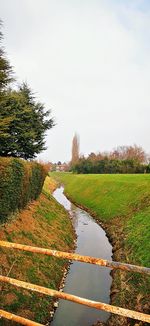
{"x": 20, "y": 182}
{"x": 85, "y": 165}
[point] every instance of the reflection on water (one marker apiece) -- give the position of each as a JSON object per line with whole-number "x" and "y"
{"x": 84, "y": 280}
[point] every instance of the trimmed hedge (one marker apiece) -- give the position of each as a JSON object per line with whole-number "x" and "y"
{"x": 20, "y": 182}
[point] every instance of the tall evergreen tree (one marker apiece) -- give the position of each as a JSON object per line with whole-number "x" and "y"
{"x": 23, "y": 123}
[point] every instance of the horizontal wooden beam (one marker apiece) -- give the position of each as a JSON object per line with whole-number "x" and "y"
{"x": 66, "y": 296}
{"x": 76, "y": 257}
{"x": 18, "y": 319}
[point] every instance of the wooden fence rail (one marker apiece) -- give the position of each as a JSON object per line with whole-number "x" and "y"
{"x": 66, "y": 296}
{"x": 18, "y": 319}
{"x": 76, "y": 257}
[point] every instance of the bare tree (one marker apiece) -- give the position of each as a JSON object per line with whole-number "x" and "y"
{"x": 130, "y": 152}
{"x": 75, "y": 149}
{"x": 134, "y": 152}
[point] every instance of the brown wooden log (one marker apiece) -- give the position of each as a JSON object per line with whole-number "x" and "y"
{"x": 18, "y": 319}
{"x": 76, "y": 257}
{"x": 66, "y": 296}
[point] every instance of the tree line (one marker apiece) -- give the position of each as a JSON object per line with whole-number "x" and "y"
{"x": 124, "y": 159}
{"x": 23, "y": 120}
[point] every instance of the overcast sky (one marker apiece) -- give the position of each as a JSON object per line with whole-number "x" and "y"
{"x": 89, "y": 61}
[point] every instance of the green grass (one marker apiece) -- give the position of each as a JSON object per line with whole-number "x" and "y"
{"x": 138, "y": 237}
{"x": 107, "y": 195}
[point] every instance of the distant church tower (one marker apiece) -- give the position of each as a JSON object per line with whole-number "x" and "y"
{"x": 75, "y": 149}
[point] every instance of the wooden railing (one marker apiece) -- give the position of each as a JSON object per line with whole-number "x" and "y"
{"x": 66, "y": 296}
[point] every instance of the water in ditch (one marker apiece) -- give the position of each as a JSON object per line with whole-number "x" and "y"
{"x": 84, "y": 280}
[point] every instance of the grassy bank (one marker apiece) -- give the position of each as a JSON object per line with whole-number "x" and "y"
{"x": 122, "y": 203}
{"x": 43, "y": 223}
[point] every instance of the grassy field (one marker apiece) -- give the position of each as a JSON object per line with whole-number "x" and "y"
{"x": 43, "y": 223}
{"x": 122, "y": 203}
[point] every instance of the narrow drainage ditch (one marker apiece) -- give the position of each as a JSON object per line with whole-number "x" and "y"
{"x": 84, "y": 280}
